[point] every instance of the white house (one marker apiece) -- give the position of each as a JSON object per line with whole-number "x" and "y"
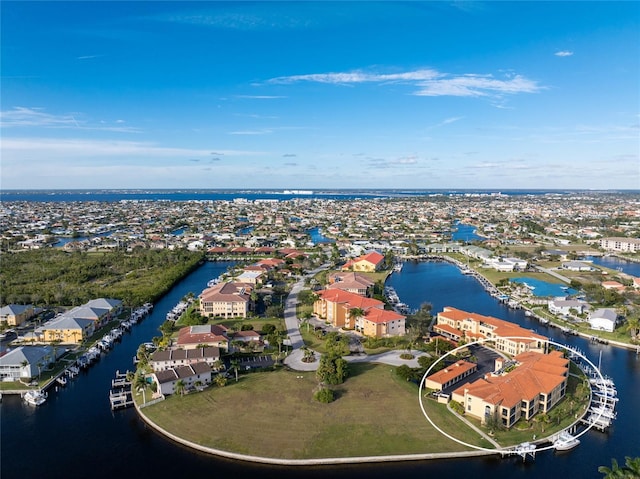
{"x": 166, "y": 380}
{"x": 564, "y": 306}
{"x": 603, "y": 319}
{"x": 577, "y": 266}
{"x": 25, "y": 362}
{"x": 173, "y": 358}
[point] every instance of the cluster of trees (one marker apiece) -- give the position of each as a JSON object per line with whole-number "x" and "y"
{"x": 54, "y": 277}
{"x": 602, "y": 296}
{"x": 332, "y": 369}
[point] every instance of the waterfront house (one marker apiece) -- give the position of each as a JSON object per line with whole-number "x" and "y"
{"x": 535, "y": 384}
{"x": 16, "y": 314}
{"x": 344, "y": 309}
{"x": 506, "y": 264}
{"x": 450, "y": 375}
{"x": 564, "y": 306}
{"x": 603, "y": 319}
{"x": 226, "y": 300}
{"x": 172, "y": 358}
{"x": 577, "y": 266}
{"x": 508, "y": 337}
{"x": 100, "y": 311}
{"x": 369, "y": 262}
{"x": 167, "y": 379}
{"x": 191, "y": 337}
{"x": 351, "y": 281}
{"x": 476, "y": 252}
{"x": 26, "y": 362}
{"x": 66, "y": 329}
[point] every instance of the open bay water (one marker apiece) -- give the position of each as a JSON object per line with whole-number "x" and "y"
{"x": 75, "y": 434}
{"x": 231, "y": 194}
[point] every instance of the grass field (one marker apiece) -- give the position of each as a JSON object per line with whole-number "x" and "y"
{"x": 274, "y": 415}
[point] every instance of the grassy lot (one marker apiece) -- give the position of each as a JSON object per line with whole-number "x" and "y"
{"x": 274, "y": 415}
{"x": 495, "y": 276}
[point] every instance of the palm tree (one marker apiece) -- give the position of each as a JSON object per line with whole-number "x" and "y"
{"x": 412, "y": 335}
{"x": 24, "y": 364}
{"x": 235, "y": 364}
{"x": 613, "y": 472}
{"x": 309, "y": 355}
{"x": 633, "y": 326}
{"x": 140, "y": 384}
{"x": 218, "y": 365}
{"x": 355, "y": 313}
{"x": 632, "y": 466}
{"x": 180, "y": 387}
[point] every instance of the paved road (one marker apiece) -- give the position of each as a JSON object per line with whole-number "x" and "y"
{"x": 553, "y": 273}
{"x": 294, "y": 359}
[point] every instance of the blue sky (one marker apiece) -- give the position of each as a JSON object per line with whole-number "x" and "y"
{"x": 438, "y": 94}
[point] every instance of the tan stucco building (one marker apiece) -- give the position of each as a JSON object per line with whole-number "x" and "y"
{"x": 226, "y": 300}
{"x": 508, "y": 337}
{"x": 344, "y": 309}
{"x": 536, "y": 384}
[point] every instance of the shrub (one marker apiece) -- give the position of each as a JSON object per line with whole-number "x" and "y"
{"x": 324, "y": 395}
{"x": 268, "y": 328}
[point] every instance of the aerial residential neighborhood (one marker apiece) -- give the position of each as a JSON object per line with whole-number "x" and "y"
{"x": 301, "y": 288}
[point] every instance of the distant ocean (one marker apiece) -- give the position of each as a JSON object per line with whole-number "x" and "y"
{"x": 114, "y": 195}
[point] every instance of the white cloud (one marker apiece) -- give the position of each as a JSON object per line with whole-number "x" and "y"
{"x": 261, "y": 97}
{"x": 80, "y": 148}
{"x": 428, "y": 82}
{"x": 251, "y": 132}
{"x": 563, "y": 53}
{"x": 38, "y": 117}
{"x": 447, "y": 121}
{"x": 356, "y": 77}
{"x": 21, "y": 116}
{"x": 477, "y": 85}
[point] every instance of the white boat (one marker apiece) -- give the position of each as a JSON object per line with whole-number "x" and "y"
{"x": 35, "y": 397}
{"x": 565, "y": 441}
{"x": 604, "y": 411}
{"x": 602, "y": 382}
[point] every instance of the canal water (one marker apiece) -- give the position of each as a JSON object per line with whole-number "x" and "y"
{"x": 76, "y": 435}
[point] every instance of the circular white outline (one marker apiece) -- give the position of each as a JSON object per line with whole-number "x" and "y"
{"x": 507, "y": 448}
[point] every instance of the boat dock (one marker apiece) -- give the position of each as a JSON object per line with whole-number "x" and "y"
{"x": 120, "y": 395}
{"x": 523, "y": 450}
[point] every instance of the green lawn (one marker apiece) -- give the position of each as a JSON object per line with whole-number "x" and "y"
{"x": 274, "y": 415}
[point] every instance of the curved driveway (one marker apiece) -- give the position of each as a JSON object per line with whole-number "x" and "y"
{"x": 294, "y": 359}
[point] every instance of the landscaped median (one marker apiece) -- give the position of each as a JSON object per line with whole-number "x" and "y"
{"x": 272, "y": 417}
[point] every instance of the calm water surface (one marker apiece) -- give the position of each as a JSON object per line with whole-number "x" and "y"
{"x": 75, "y": 434}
